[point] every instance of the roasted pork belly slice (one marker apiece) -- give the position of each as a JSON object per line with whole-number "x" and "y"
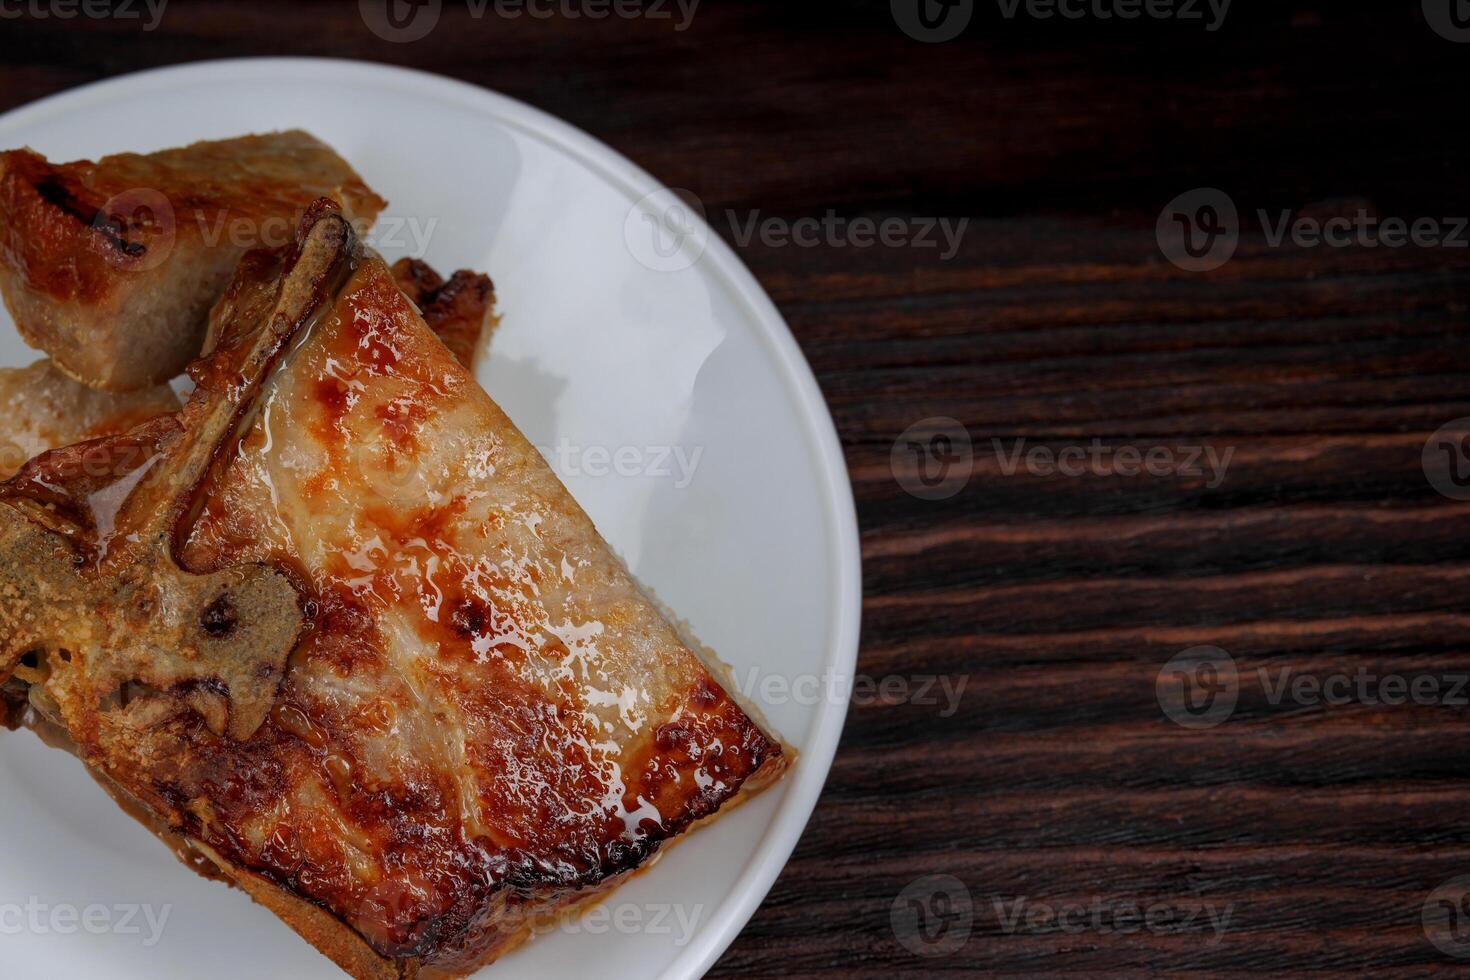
{"x": 43, "y": 409}
{"x": 111, "y": 267}
{"x": 483, "y": 720}
{"x": 460, "y": 310}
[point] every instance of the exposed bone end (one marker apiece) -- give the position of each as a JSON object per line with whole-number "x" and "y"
{"x": 246, "y": 628}
{"x": 152, "y": 640}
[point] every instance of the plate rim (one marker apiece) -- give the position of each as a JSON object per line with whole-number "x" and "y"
{"x": 804, "y": 785}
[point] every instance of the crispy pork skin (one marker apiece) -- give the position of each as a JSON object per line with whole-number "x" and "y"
{"x": 111, "y": 266}
{"x": 481, "y": 720}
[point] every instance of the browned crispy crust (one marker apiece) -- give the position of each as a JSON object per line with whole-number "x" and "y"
{"x": 461, "y": 311}
{"x": 111, "y": 267}
{"x": 333, "y": 795}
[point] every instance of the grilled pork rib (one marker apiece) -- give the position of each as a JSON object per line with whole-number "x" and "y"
{"x": 111, "y": 267}
{"x": 339, "y": 625}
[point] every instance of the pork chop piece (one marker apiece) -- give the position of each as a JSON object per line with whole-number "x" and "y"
{"x": 461, "y": 717}
{"x": 461, "y": 309}
{"x": 43, "y": 409}
{"x": 111, "y": 267}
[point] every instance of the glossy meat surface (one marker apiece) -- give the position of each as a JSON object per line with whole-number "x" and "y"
{"x": 484, "y": 719}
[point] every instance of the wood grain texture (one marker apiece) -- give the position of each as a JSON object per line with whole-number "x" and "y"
{"x": 1058, "y": 779}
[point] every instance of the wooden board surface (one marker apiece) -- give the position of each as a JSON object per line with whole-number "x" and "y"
{"x": 1083, "y": 830}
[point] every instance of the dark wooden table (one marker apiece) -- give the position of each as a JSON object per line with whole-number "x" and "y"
{"x": 1083, "y": 829}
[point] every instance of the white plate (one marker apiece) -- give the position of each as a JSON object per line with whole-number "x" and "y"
{"x": 607, "y": 342}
